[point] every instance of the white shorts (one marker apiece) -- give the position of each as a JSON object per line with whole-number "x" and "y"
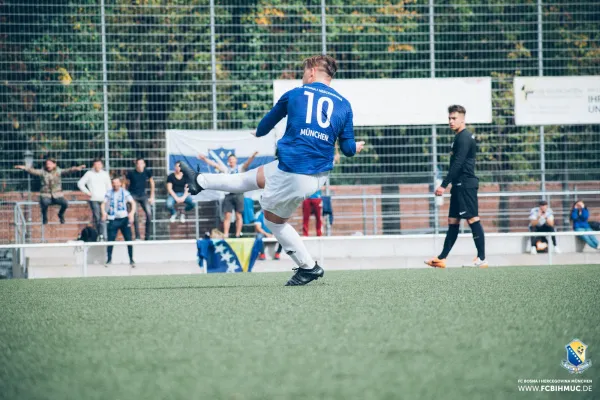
{"x": 285, "y": 191}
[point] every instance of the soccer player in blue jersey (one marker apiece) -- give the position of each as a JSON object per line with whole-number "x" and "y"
{"x": 318, "y": 116}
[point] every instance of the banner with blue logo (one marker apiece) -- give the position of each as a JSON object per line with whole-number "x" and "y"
{"x": 216, "y": 145}
{"x": 228, "y": 255}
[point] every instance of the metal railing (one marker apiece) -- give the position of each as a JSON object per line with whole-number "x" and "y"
{"x": 420, "y": 214}
{"x": 374, "y": 214}
{"x": 24, "y": 228}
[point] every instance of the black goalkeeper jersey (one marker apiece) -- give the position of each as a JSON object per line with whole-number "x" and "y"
{"x": 462, "y": 161}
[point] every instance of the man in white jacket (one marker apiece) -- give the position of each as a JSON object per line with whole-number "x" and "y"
{"x": 95, "y": 183}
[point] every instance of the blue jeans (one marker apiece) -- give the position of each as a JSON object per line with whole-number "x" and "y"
{"x": 189, "y": 203}
{"x": 589, "y": 239}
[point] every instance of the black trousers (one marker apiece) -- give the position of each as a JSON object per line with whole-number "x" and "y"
{"x": 45, "y": 202}
{"x": 144, "y": 204}
{"x": 114, "y": 226}
{"x": 542, "y": 228}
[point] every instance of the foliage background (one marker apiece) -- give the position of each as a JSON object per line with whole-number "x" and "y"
{"x": 159, "y": 76}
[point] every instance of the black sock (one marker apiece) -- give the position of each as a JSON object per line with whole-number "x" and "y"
{"x": 479, "y": 239}
{"x": 451, "y": 236}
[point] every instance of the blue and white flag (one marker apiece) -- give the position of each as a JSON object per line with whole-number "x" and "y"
{"x": 185, "y": 145}
{"x": 231, "y": 255}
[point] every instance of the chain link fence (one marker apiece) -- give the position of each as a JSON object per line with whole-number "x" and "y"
{"x": 88, "y": 78}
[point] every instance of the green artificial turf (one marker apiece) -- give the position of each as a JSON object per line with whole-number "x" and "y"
{"x": 410, "y": 334}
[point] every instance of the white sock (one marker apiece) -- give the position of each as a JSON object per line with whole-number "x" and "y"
{"x": 232, "y": 183}
{"x": 292, "y": 244}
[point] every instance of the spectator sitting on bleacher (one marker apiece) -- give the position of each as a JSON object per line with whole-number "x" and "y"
{"x": 262, "y": 231}
{"x": 580, "y": 216}
{"x": 51, "y": 186}
{"x": 178, "y": 193}
{"x": 95, "y": 183}
{"x": 541, "y": 219}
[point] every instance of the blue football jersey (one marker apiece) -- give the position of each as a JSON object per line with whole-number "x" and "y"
{"x": 317, "y": 117}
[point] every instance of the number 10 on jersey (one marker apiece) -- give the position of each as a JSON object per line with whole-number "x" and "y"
{"x": 309, "y": 109}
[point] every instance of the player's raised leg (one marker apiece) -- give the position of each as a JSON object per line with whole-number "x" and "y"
{"x": 232, "y": 183}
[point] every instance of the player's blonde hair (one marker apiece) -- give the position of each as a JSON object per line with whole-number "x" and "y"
{"x": 325, "y": 63}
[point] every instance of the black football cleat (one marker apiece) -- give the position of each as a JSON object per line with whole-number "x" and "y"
{"x": 304, "y": 276}
{"x": 190, "y": 178}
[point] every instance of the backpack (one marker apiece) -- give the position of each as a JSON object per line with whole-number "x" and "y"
{"x": 89, "y": 234}
{"x": 595, "y": 225}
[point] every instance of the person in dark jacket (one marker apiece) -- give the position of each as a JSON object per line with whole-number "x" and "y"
{"x": 580, "y": 216}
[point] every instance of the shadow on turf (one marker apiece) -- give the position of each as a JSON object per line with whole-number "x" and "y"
{"x": 192, "y": 287}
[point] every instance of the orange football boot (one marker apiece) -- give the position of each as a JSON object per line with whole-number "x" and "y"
{"x": 436, "y": 262}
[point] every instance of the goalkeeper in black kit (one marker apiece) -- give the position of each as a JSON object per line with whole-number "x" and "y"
{"x": 463, "y": 197}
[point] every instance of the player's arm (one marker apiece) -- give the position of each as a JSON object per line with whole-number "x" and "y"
{"x": 462, "y": 150}
{"x": 249, "y": 161}
{"x": 212, "y": 163}
{"x": 277, "y": 113}
{"x": 348, "y": 145}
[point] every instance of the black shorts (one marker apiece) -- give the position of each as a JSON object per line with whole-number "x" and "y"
{"x": 463, "y": 203}
{"x": 233, "y": 201}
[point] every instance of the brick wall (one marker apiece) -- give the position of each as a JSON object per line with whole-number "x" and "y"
{"x": 350, "y": 215}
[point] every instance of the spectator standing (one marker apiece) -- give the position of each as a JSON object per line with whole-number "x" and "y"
{"x": 114, "y": 209}
{"x": 233, "y": 202}
{"x": 541, "y": 219}
{"x": 51, "y": 186}
{"x": 137, "y": 187}
{"x": 580, "y": 215}
{"x": 95, "y": 183}
{"x": 178, "y": 193}
{"x": 314, "y": 205}
{"x": 263, "y": 231}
